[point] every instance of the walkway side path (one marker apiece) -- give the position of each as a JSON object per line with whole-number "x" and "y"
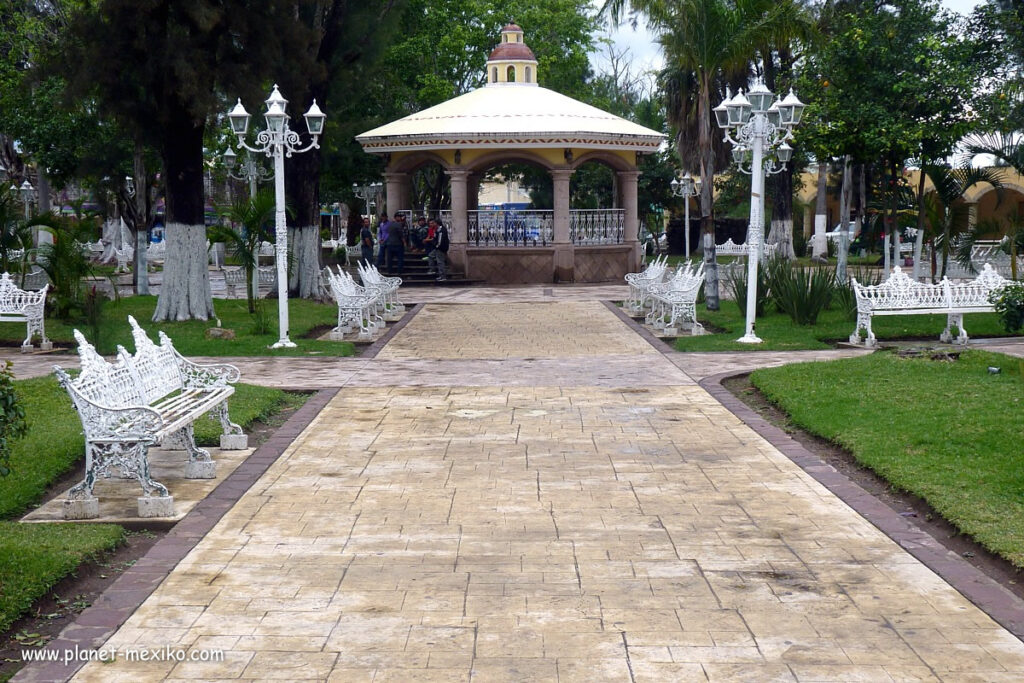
{"x": 490, "y": 532}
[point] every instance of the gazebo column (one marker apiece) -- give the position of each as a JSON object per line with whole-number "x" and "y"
{"x": 564, "y": 258}
{"x": 397, "y": 189}
{"x": 458, "y": 231}
{"x": 631, "y": 218}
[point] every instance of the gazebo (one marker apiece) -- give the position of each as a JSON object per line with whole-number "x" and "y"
{"x": 514, "y": 120}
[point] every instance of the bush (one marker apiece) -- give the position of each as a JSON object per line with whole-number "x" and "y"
{"x": 12, "y": 417}
{"x": 1009, "y": 305}
{"x": 802, "y": 293}
{"x": 737, "y": 281}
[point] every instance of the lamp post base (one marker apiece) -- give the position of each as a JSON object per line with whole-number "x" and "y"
{"x": 750, "y": 338}
{"x": 286, "y": 343}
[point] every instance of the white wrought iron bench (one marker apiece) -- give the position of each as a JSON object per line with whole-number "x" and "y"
{"x": 358, "y": 307}
{"x": 730, "y": 248}
{"x": 235, "y": 277}
{"x": 149, "y": 398}
{"x": 18, "y": 305}
{"x": 387, "y": 287}
{"x": 899, "y": 294}
{"x": 640, "y": 285}
{"x": 674, "y": 302}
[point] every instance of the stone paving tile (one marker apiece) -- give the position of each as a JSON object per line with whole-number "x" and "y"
{"x": 457, "y": 533}
{"x": 514, "y": 330}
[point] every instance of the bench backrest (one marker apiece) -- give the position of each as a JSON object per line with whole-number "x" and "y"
{"x": 16, "y": 300}
{"x": 111, "y": 385}
{"x": 900, "y": 291}
{"x": 155, "y": 366}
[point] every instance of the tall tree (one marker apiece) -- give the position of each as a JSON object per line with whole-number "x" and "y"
{"x": 709, "y": 38}
{"x": 340, "y": 38}
{"x": 159, "y": 66}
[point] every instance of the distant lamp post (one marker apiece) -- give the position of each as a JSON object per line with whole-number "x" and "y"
{"x": 250, "y": 171}
{"x": 686, "y": 187}
{"x": 27, "y": 191}
{"x": 368, "y": 193}
{"x": 278, "y": 141}
{"x": 758, "y": 123}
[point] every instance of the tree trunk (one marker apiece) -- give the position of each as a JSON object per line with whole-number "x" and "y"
{"x": 707, "y": 181}
{"x": 862, "y": 199}
{"x": 843, "y": 247}
{"x": 185, "y": 293}
{"x": 302, "y": 183}
{"x": 781, "y": 233}
{"x": 140, "y": 276}
{"x": 919, "y": 239}
{"x": 819, "y": 244}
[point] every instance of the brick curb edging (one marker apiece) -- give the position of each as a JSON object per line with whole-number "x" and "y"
{"x": 373, "y": 349}
{"x": 999, "y": 603}
{"x": 96, "y": 624}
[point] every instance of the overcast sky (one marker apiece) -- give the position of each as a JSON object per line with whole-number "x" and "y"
{"x": 644, "y": 52}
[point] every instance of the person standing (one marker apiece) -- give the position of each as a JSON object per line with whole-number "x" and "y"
{"x": 439, "y": 256}
{"x": 366, "y": 242}
{"x": 382, "y": 240}
{"x": 428, "y": 245}
{"x": 397, "y": 238}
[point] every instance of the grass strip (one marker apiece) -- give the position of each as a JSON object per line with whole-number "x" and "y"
{"x": 949, "y": 432}
{"x": 253, "y": 333}
{"x": 34, "y": 557}
{"x": 780, "y": 333}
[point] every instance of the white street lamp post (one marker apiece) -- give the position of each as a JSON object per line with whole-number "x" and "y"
{"x": 250, "y": 171}
{"x": 760, "y": 125}
{"x": 367, "y": 193}
{"x": 278, "y": 141}
{"x": 686, "y": 188}
{"x": 26, "y": 196}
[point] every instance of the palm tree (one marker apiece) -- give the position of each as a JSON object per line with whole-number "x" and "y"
{"x": 1013, "y": 244}
{"x": 710, "y": 39}
{"x": 254, "y": 216}
{"x": 949, "y": 219}
{"x": 16, "y": 232}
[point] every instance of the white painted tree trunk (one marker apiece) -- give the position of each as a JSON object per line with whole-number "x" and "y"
{"x": 185, "y": 293}
{"x": 781, "y": 235}
{"x": 304, "y": 271}
{"x": 819, "y": 243}
{"x": 111, "y": 235}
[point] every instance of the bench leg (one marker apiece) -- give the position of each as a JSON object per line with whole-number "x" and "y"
{"x": 954, "y": 320}
{"x": 199, "y": 465}
{"x": 232, "y": 438}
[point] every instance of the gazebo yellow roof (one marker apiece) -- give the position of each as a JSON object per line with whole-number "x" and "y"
{"x": 510, "y": 114}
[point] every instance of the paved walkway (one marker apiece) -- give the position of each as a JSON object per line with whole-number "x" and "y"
{"x": 591, "y": 514}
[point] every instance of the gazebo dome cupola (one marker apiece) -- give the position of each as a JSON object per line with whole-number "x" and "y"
{"x": 512, "y": 62}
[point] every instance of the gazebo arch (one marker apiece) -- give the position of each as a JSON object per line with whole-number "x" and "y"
{"x": 513, "y": 119}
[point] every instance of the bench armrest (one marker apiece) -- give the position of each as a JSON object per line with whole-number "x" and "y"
{"x": 199, "y": 376}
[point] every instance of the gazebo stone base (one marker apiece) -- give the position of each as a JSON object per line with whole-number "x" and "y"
{"x": 550, "y": 264}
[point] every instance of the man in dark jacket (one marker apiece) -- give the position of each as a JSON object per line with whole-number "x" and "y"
{"x": 439, "y": 256}
{"x": 398, "y": 237}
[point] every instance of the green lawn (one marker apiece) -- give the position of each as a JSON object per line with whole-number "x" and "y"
{"x": 780, "y": 333}
{"x": 189, "y": 337}
{"x": 948, "y": 432}
{"x": 33, "y": 557}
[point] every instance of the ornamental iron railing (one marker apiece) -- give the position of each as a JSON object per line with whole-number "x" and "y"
{"x": 512, "y": 228}
{"x": 597, "y": 226}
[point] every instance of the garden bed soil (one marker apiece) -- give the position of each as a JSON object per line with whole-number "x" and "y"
{"x": 50, "y": 614}
{"x": 919, "y": 512}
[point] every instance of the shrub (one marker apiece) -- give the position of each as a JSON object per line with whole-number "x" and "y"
{"x": 1009, "y": 305}
{"x": 802, "y": 293}
{"x": 737, "y": 281}
{"x": 12, "y": 417}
